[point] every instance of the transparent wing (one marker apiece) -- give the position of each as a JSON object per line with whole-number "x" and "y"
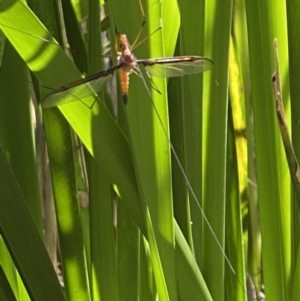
{"x": 76, "y": 92}
{"x": 177, "y": 66}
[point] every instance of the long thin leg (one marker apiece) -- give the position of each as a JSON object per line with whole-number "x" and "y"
{"x": 133, "y": 45}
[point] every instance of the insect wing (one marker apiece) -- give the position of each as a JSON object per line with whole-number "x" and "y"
{"x": 177, "y": 66}
{"x": 76, "y": 93}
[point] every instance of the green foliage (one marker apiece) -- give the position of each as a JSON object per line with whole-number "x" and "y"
{"x": 152, "y": 219}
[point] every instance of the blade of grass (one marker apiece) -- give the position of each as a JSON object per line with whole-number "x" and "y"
{"x": 185, "y": 121}
{"x": 75, "y": 37}
{"x": 191, "y": 284}
{"x": 288, "y": 147}
{"x": 104, "y": 263}
{"x": 128, "y": 256}
{"x": 293, "y": 46}
{"x": 215, "y": 127}
{"x": 272, "y": 174}
{"x": 147, "y": 290}
{"x": 6, "y": 292}
{"x": 9, "y": 268}
{"x": 23, "y": 240}
{"x": 294, "y": 42}
{"x": 240, "y": 43}
{"x": 16, "y": 129}
{"x": 16, "y": 136}
{"x": 295, "y": 288}
{"x": 235, "y": 288}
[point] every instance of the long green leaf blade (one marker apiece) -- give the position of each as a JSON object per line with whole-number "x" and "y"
{"x": 23, "y": 240}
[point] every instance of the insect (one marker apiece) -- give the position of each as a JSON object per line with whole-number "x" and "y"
{"x": 127, "y": 63}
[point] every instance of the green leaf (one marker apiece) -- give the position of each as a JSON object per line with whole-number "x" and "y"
{"x": 272, "y": 174}
{"x": 23, "y": 240}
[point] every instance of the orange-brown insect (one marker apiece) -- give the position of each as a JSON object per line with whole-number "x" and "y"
{"x": 159, "y": 67}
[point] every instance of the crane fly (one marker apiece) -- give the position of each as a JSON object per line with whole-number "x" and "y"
{"x": 127, "y": 63}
